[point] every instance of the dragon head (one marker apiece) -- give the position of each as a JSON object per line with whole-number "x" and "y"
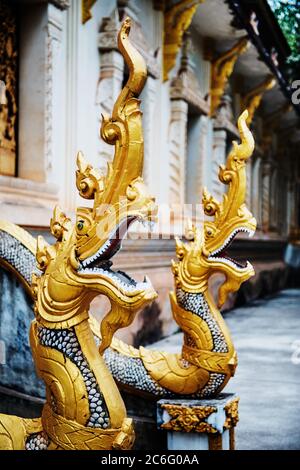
{"x": 205, "y": 253}
{"x": 79, "y": 267}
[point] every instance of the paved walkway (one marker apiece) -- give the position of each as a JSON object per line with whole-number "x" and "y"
{"x": 267, "y": 379}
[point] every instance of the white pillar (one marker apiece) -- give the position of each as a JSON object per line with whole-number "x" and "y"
{"x": 218, "y": 158}
{"x": 41, "y": 92}
{"x": 256, "y": 192}
{"x": 148, "y": 99}
{"x": 178, "y": 145}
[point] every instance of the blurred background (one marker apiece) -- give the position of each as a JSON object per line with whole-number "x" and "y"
{"x": 60, "y": 69}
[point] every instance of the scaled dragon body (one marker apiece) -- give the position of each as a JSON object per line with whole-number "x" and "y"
{"x": 78, "y": 267}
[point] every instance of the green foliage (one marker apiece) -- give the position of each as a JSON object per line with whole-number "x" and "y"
{"x": 287, "y": 13}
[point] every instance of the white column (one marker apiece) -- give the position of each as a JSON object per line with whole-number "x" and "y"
{"x": 148, "y": 99}
{"x": 204, "y": 424}
{"x": 266, "y": 195}
{"x": 218, "y": 158}
{"x": 256, "y": 193}
{"x": 72, "y": 93}
{"x": 178, "y": 145}
{"x": 41, "y": 92}
{"x": 249, "y": 185}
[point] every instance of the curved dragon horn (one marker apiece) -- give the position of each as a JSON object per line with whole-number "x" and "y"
{"x": 234, "y": 175}
{"x": 137, "y": 69}
{"x": 124, "y": 128}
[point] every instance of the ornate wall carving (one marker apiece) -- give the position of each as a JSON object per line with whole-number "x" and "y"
{"x": 8, "y": 76}
{"x": 53, "y": 43}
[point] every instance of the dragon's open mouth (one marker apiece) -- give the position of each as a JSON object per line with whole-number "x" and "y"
{"x": 222, "y": 255}
{"x": 100, "y": 262}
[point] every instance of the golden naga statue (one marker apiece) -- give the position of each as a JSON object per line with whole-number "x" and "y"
{"x": 208, "y": 358}
{"x": 84, "y": 409}
{"x": 81, "y": 394}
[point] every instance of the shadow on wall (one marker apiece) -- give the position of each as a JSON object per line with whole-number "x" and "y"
{"x": 18, "y": 379}
{"x": 151, "y": 330}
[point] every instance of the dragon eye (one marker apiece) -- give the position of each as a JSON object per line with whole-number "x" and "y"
{"x": 209, "y": 231}
{"x": 80, "y": 225}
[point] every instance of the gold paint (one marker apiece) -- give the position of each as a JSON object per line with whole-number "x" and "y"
{"x": 252, "y": 99}
{"x": 64, "y": 290}
{"x": 232, "y": 414}
{"x": 86, "y": 6}
{"x": 177, "y": 19}
{"x": 14, "y": 431}
{"x": 221, "y": 70}
{"x": 188, "y": 419}
{"x": 8, "y": 76}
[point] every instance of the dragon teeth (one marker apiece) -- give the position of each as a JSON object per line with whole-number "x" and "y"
{"x": 231, "y": 263}
{"x": 126, "y": 288}
{"x": 100, "y": 252}
{"x": 231, "y": 236}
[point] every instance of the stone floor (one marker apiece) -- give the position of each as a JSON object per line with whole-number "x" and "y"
{"x": 268, "y": 377}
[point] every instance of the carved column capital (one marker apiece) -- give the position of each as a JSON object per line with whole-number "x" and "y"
{"x": 208, "y": 419}
{"x": 107, "y": 38}
{"x": 185, "y": 85}
{"x": 222, "y": 68}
